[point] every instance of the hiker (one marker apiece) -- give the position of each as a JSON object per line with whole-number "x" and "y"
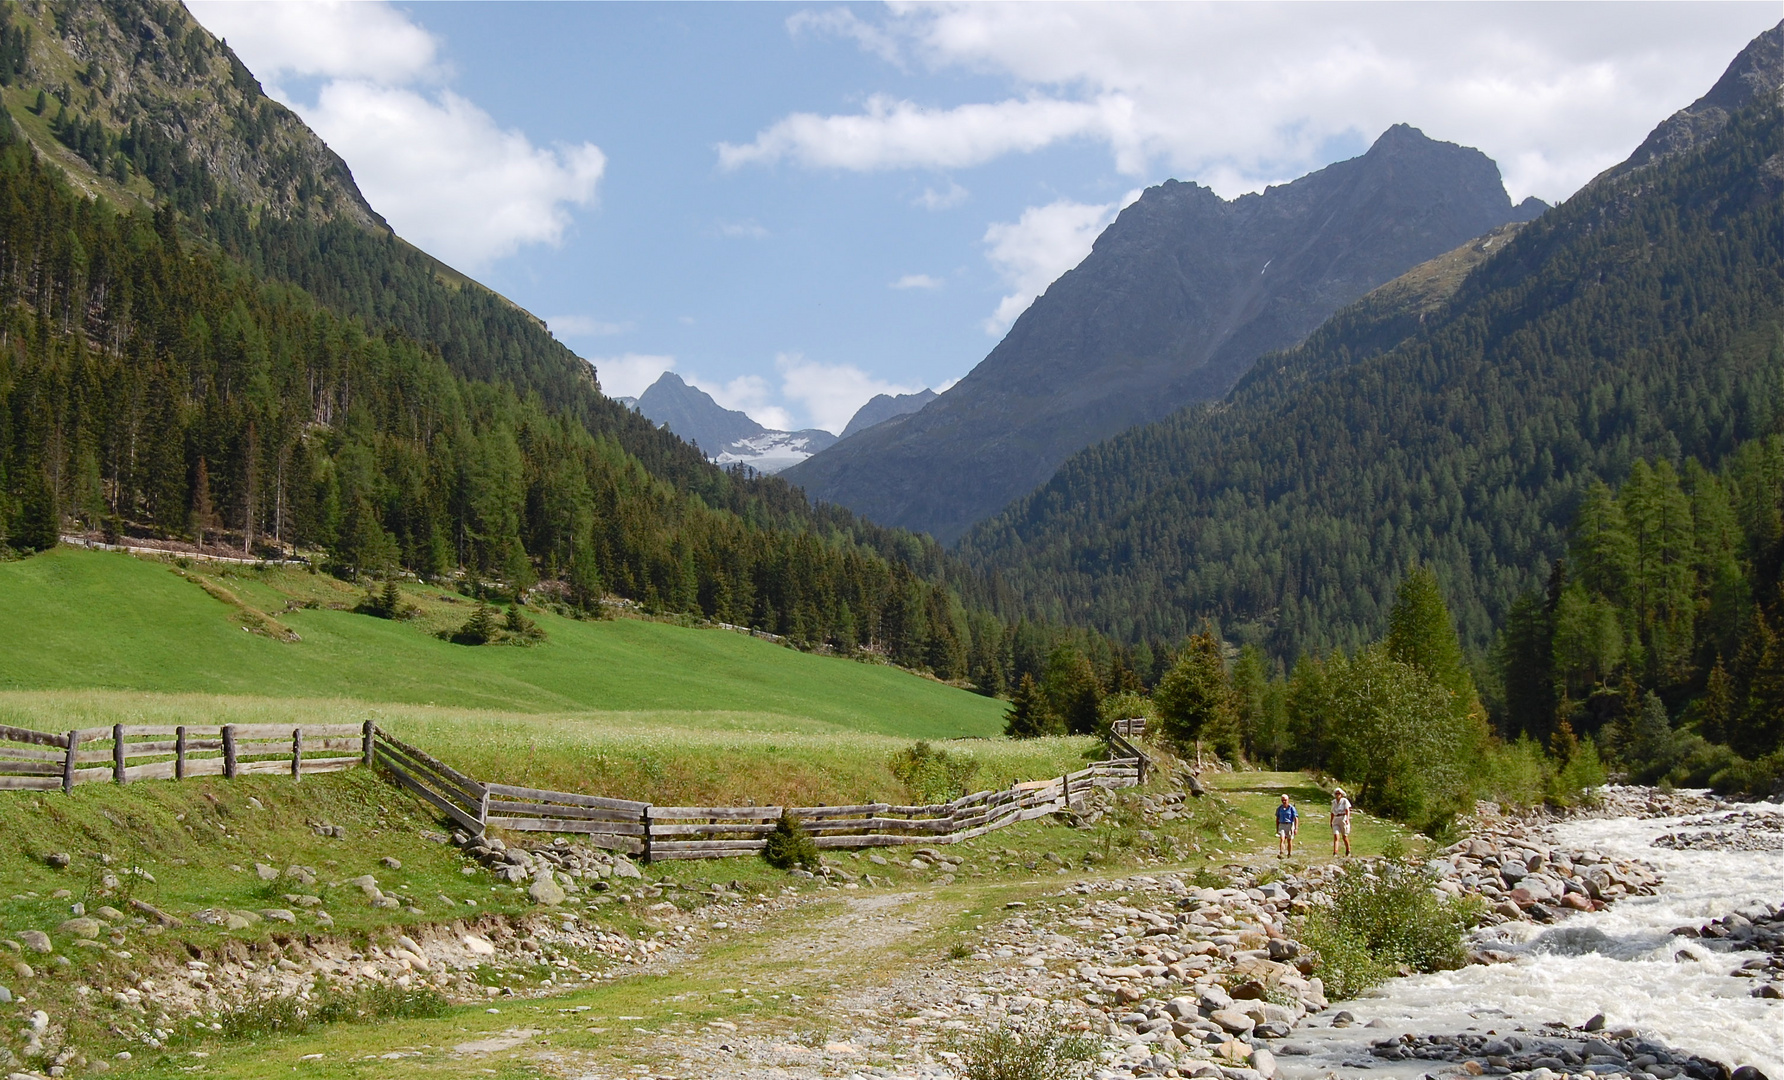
{"x": 1340, "y": 821}
{"x": 1288, "y": 822}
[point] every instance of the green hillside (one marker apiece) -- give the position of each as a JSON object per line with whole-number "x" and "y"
{"x": 76, "y": 620}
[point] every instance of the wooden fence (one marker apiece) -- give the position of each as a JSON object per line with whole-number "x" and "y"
{"x": 711, "y": 832}
{"x": 123, "y": 753}
{"x": 45, "y": 761}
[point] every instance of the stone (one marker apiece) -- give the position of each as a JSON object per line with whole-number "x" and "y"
{"x": 58, "y": 859}
{"x": 1263, "y": 1062}
{"x": 1214, "y": 999}
{"x": 256, "y": 803}
{"x": 366, "y": 883}
{"x": 479, "y": 946}
{"x": 23, "y": 970}
{"x": 626, "y": 868}
{"x": 82, "y": 928}
{"x": 5, "y": 996}
{"x": 35, "y": 940}
{"x": 109, "y": 913}
{"x": 392, "y": 861}
{"x": 382, "y": 901}
{"x": 1233, "y": 1020}
{"x": 303, "y": 875}
{"x": 265, "y": 872}
{"x": 279, "y": 915}
{"x": 545, "y": 891}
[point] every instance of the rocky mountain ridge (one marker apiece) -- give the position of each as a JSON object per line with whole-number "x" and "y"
{"x": 1176, "y": 300}
{"x": 725, "y": 436}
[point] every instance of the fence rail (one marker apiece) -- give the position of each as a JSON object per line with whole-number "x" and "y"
{"x": 124, "y": 753}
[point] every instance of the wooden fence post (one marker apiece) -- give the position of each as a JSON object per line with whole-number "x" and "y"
{"x": 179, "y": 752}
{"x": 297, "y": 753}
{"x": 644, "y": 816}
{"x": 74, "y": 740}
{"x": 483, "y": 812}
{"x": 229, "y": 751}
{"x": 118, "y": 753}
{"x": 1065, "y": 787}
{"x": 371, "y": 731}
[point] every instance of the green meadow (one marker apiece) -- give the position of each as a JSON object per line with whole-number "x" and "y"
{"x": 626, "y": 707}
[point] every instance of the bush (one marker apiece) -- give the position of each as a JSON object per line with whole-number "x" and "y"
{"x": 1028, "y": 1051}
{"x": 789, "y": 845}
{"x": 1383, "y": 917}
{"x": 932, "y": 775}
{"x": 480, "y": 628}
{"x": 288, "y": 1015}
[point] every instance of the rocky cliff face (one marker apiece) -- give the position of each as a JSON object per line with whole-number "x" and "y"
{"x": 142, "y": 104}
{"x": 1173, "y": 304}
{"x": 1757, "y": 72}
{"x": 884, "y": 407}
{"x": 725, "y": 436}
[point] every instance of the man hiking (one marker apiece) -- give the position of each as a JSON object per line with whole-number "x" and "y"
{"x": 1288, "y": 822}
{"x": 1340, "y": 821}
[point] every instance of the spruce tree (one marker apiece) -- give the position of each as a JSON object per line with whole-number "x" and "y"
{"x": 480, "y": 628}
{"x": 1194, "y": 699}
{"x": 1421, "y": 633}
{"x": 1028, "y": 716}
{"x": 37, "y": 525}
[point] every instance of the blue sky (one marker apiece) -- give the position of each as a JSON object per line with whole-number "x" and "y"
{"x": 798, "y": 206}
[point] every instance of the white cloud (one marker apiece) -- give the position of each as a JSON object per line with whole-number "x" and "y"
{"x": 831, "y": 393}
{"x": 841, "y": 22}
{"x": 895, "y": 134}
{"x": 1031, "y": 252}
{"x": 584, "y": 326}
{"x": 748, "y": 394}
{"x": 945, "y": 199}
{"x": 742, "y": 230}
{"x": 916, "y": 281}
{"x": 331, "y": 38}
{"x": 445, "y": 174}
{"x": 1240, "y": 95}
{"x": 630, "y": 374}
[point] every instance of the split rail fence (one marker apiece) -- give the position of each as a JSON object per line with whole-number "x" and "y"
{"x": 46, "y": 761}
{"x": 124, "y": 753}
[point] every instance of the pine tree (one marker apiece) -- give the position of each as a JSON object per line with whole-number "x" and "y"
{"x": 1028, "y": 716}
{"x": 480, "y": 628}
{"x": 37, "y": 525}
{"x": 1420, "y": 633}
{"x": 1072, "y": 691}
{"x": 1194, "y": 700}
{"x": 204, "y": 515}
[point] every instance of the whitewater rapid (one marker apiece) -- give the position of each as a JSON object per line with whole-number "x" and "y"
{"x": 1621, "y": 962}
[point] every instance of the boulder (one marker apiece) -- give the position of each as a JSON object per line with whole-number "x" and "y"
{"x": 81, "y": 928}
{"x": 545, "y": 891}
{"x": 1233, "y": 1020}
{"x": 35, "y": 940}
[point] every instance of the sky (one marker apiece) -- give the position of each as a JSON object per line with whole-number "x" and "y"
{"x": 797, "y": 206}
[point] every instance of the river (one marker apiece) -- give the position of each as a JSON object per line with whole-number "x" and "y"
{"x": 1621, "y": 962}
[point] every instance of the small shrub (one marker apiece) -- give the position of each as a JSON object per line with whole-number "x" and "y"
{"x": 480, "y": 628}
{"x": 1383, "y": 917}
{"x": 519, "y": 629}
{"x": 931, "y": 774}
{"x": 387, "y": 603}
{"x": 1026, "y": 1051}
{"x": 789, "y": 845}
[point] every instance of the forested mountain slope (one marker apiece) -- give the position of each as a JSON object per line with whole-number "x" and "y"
{"x": 1643, "y": 318}
{"x": 204, "y": 333}
{"x": 1180, "y": 294}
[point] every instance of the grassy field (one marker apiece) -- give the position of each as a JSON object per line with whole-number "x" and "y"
{"x": 78, "y": 620}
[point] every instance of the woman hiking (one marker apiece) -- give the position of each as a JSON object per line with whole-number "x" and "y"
{"x": 1340, "y": 821}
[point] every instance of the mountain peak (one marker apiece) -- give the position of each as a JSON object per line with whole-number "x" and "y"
{"x": 1758, "y": 71}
